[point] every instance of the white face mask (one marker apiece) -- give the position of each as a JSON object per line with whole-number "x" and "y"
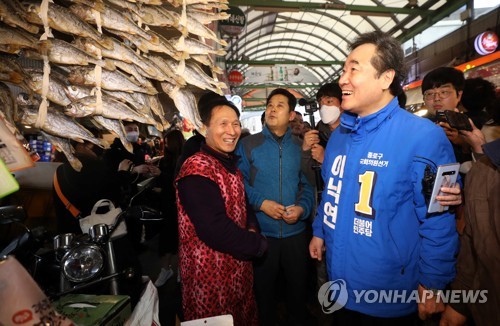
{"x": 329, "y": 113}
{"x": 133, "y": 136}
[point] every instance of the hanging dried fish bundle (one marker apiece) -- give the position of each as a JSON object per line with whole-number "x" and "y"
{"x": 101, "y": 59}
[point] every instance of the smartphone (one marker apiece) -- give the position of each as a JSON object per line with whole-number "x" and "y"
{"x": 446, "y": 176}
{"x": 457, "y": 120}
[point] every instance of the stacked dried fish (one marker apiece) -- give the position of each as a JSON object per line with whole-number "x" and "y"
{"x": 106, "y": 76}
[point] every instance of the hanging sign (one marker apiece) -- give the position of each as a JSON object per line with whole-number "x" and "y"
{"x": 486, "y": 43}
{"x": 235, "y": 78}
{"x": 280, "y": 74}
{"x": 235, "y": 24}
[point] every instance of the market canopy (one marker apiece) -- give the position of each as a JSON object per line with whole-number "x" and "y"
{"x": 303, "y": 44}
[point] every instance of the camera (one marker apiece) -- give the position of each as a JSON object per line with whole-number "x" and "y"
{"x": 311, "y": 106}
{"x": 440, "y": 117}
{"x": 456, "y": 120}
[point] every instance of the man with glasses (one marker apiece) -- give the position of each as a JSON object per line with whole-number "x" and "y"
{"x": 442, "y": 89}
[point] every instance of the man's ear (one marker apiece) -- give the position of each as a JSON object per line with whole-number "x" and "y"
{"x": 292, "y": 115}
{"x": 388, "y": 77}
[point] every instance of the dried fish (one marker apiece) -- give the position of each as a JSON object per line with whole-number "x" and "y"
{"x": 56, "y": 93}
{"x": 7, "y": 104}
{"x": 111, "y": 80}
{"x": 15, "y": 39}
{"x": 206, "y": 17}
{"x": 63, "y": 20}
{"x": 163, "y": 45}
{"x": 193, "y": 46}
{"x": 117, "y": 128}
{"x": 119, "y": 52}
{"x": 178, "y": 3}
{"x": 111, "y": 108}
{"x": 61, "y": 52}
{"x": 76, "y": 92}
{"x": 10, "y": 15}
{"x": 157, "y": 108}
{"x": 64, "y": 145}
{"x": 185, "y": 102}
{"x": 112, "y": 19}
{"x": 58, "y": 124}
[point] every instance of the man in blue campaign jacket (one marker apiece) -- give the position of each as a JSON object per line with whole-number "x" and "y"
{"x": 372, "y": 217}
{"x": 282, "y": 199}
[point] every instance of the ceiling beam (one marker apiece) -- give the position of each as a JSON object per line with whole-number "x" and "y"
{"x": 284, "y": 62}
{"x": 307, "y": 6}
{"x": 438, "y": 15}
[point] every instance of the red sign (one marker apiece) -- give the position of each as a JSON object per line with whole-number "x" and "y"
{"x": 22, "y": 316}
{"x": 486, "y": 43}
{"x": 235, "y": 78}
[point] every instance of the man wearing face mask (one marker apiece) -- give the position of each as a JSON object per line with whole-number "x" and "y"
{"x": 117, "y": 153}
{"x": 329, "y": 97}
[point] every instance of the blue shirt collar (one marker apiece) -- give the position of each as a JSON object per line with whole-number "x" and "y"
{"x": 358, "y": 124}
{"x": 268, "y": 133}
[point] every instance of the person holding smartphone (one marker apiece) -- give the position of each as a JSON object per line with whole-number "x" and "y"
{"x": 442, "y": 89}
{"x": 372, "y": 218}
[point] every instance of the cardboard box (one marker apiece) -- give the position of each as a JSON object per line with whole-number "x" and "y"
{"x": 84, "y": 309}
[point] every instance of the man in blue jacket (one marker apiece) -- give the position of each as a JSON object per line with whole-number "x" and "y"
{"x": 282, "y": 199}
{"x": 382, "y": 246}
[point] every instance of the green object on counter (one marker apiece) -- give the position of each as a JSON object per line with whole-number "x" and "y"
{"x": 8, "y": 183}
{"x": 84, "y": 309}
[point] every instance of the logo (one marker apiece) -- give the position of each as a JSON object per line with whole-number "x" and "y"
{"x": 22, "y": 316}
{"x": 333, "y": 296}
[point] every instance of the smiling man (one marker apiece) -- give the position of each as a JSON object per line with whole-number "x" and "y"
{"x": 372, "y": 216}
{"x": 282, "y": 199}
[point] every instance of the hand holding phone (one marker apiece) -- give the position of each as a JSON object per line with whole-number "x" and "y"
{"x": 446, "y": 176}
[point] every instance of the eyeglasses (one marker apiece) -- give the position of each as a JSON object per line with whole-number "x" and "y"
{"x": 442, "y": 94}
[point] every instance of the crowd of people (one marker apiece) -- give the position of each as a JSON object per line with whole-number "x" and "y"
{"x": 249, "y": 218}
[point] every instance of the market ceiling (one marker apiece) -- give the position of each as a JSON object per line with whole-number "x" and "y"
{"x": 314, "y": 35}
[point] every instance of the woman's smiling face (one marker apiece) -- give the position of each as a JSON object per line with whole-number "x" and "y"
{"x": 223, "y": 130}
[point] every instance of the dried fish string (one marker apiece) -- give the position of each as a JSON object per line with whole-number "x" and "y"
{"x": 182, "y": 62}
{"x": 98, "y": 69}
{"x": 44, "y": 105}
{"x": 139, "y": 23}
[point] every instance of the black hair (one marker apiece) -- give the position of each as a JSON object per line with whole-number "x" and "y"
{"x": 205, "y": 108}
{"x": 402, "y": 99}
{"x": 478, "y": 94}
{"x": 330, "y": 90}
{"x": 292, "y": 101}
{"x": 443, "y": 75}
{"x": 208, "y": 96}
{"x": 389, "y": 55}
